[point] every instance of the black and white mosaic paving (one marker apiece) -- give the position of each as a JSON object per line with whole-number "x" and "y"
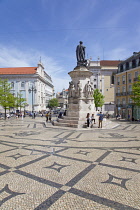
{"x": 43, "y": 167}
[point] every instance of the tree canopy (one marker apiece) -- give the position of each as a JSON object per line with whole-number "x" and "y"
{"x": 19, "y": 101}
{"x": 6, "y": 97}
{"x": 53, "y": 102}
{"x": 136, "y": 92}
{"x": 98, "y": 98}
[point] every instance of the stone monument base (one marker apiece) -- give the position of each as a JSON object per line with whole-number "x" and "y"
{"x": 80, "y": 100}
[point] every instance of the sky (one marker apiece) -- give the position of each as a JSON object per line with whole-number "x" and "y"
{"x": 51, "y": 30}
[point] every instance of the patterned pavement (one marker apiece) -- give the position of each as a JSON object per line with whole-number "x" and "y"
{"x": 45, "y": 167}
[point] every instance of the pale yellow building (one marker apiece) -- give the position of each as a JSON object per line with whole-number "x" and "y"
{"x": 127, "y": 74}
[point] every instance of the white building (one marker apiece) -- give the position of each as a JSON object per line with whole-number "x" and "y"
{"x": 33, "y": 83}
{"x": 103, "y": 79}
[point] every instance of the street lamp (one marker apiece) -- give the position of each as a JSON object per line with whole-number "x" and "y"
{"x": 32, "y": 89}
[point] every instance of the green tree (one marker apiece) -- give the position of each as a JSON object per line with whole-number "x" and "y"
{"x": 53, "y": 103}
{"x": 98, "y": 98}
{"x": 136, "y": 92}
{"x": 19, "y": 101}
{"x": 6, "y": 97}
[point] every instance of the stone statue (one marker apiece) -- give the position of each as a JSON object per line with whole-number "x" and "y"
{"x": 79, "y": 89}
{"x": 80, "y": 54}
{"x": 88, "y": 89}
{"x": 71, "y": 89}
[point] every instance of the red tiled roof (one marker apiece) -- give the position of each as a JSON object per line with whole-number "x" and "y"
{"x": 110, "y": 62}
{"x": 18, "y": 70}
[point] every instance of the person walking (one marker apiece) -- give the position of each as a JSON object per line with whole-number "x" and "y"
{"x": 50, "y": 116}
{"x": 88, "y": 119}
{"x": 100, "y": 119}
{"x": 92, "y": 119}
{"x": 47, "y": 115}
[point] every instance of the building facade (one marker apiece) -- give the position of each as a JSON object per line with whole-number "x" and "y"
{"x": 63, "y": 98}
{"x": 103, "y": 79}
{"x": 33, "y": 83}
{"x": 127, "y": 74}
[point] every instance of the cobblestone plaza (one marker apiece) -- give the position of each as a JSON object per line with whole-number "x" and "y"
{"x": 46, "y": 167}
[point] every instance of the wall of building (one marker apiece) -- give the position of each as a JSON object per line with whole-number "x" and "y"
{"x": 40, "y": 81}
{"x": 127, "y": 74}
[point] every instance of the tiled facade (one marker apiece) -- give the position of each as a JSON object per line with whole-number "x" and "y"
{"x": 127, "y": 74}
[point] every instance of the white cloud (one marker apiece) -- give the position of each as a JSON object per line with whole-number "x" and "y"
{"x": 13, "y": 57}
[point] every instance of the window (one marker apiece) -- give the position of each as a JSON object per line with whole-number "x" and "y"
{"x": 94, "y": 86}
{"x": 118, "y": 90}
{"x": 121, "y": 68}
{"x": 94, "y": 79}
{"x": 139, "y": 62}
{"x": 130, "y": 87}
{"x": 136, "y": 74}
{"x": 118, "y": 101}
{"x": 127, "y": 65}
{"x": 106, "y": 89}
{"x": 123, "y": 89}
{"x": 123, "y": 101}
{"x": 118, "y": 80}
{"x": 133, "y": 63}
{"x": 22, "y": 84}
{"x": 129, "y": 78}
{"x": 12, "y": 84}
{"x": 130, "y": 100}
{"x": 123, "y": 79}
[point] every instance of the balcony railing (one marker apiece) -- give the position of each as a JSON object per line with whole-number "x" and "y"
{"x": 135, "y": 79}
{"x": 129, "y": 93}
{"x": 118, "y": 94}
{"x": 123, "y": 94}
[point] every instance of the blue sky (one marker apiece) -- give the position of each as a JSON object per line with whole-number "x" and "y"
{"x": 52, "y": 29}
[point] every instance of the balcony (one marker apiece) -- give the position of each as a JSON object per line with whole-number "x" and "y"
{"x": 118, "y": 105}
{"x": 135, "y": 79}
{"x": 123, "y": 93}
{"x": 118, "y": 94}
{"x": 129, "y": 93}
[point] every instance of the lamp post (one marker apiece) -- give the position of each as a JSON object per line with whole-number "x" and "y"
{"x": 33, "y": 90}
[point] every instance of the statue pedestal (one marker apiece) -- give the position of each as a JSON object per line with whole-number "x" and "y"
{"x": 80, "y": 101}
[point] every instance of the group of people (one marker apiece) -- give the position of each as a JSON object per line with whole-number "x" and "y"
{"x": 91, "y": 119}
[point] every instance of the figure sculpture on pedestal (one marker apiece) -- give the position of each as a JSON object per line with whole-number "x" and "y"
{"x": 79, "y": 89}
{"x": 71, "y": 89}
{"x": 88, "y": 89}
{"x": 80, "y": 54}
